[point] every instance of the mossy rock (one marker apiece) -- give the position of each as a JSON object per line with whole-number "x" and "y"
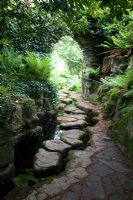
{"x": 6, "y": 154}
{"x": 17, "y": 120}
{"x": 5, "y": 133}
{"x": 122, "y": 132}
{"x": 28, "y": 110}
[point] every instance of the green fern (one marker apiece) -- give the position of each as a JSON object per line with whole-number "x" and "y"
{"x": 127, "y": 109}
{"x": 10, "y": 60}
{"x": 122, "y": 81}
{"x": 92, "y": 71}
{"x": 39, "y": 67}
{"x": 129, "y": 93}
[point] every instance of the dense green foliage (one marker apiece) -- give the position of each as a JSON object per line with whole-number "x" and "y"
{"x": 28, "y": 27}
{"x": 116, "y": 94}
{"x": 67, "y": 59}
{"x": 28, "y": 32}
{"x": 39, "y": 67}
{"x": 23, "y": 76}
{"x": 117, "y": 8}
{"x": 69, "y": 51}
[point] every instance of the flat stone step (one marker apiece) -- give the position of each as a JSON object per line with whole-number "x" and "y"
{"x": 73, "y": 110}
{"x": 66, "y": 101}
{"x": 61, "y": 106}
{"x": 78, "y": 111}
{"x": 46, "y": 163}
{"x": 75, "y": 96}
{"x": 66, "y": 119}
{"x": 72, "y": 137}
{"x": 87, "y": 108}
{"x": 62, "y": 95}
{"x": 71, "y": 125}
{"x": 71, "y": 118}
{"x": 76, "y": 116}
{"x": 64, "y": 92}
{"x": 56, "y": 146}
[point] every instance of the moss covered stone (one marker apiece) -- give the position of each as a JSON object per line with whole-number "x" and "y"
{"x": 122, "y": 132}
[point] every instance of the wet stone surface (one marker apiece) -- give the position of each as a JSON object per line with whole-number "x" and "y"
{"x": 97, "y": 172}
{"x": 46, "y": 162}
{"x": 56, "y": 145}
{"x": 70, "y": 125}
{"x": 65, "y": 100}
{"x": 72, "y": 137}
{"x": 73, "y": 110}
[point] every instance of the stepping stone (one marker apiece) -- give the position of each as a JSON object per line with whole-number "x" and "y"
{"x": 61, "y": 106}
{"x": 72, "y": 137}
{"x": 74, "y": 110}
{"x": 66, "y": 118}
{"x": 71, "y": 118}
{"x": 66, "y": 101}
{"x": 76, "y": 116}
{"x": 46, "y": 163}
{"x": 62, "y": 95}
{"x": 75, "y": 96}
{"x": 87, "y": 108}
{"x": 78, "y": 111}
{"x": 64, "y": 92}
{"x": 72, "y": 125}
{"x": 56, "y": 145}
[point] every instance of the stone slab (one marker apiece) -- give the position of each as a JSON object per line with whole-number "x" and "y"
{"x": 68, "y": 119}
{"x": 73, "y": 110}
{"x": 72, "y": 118}
{"x": 71, "y": 125}
{"x": 87, "y": 108}
{"x": 72, "y": 137}
{"x": 77, "y": 116}
{"x": 66, "y": 101}
{"x": 56, "y": 145}
{"x": 61, "y": 106}
{"x": 46, "y": 162}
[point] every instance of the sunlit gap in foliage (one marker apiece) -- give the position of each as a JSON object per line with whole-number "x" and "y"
{"x": 67, "y": 61}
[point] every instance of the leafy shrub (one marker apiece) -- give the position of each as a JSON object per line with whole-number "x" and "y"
{"x": 30, "y": 27}
{"x": 119, "y": 33}
{"x": 69, "y": 51}
{"x": 74, "y": 83}
{"x": 122, "y": 81}
{"x": 6, "y": 109}
{"x": 10, "y": 61}
{"x": 121, "y": 131}
{"x": 39, "y": 67}
{"x": 92, "y": 72}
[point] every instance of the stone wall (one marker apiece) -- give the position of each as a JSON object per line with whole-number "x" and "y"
{"x": 92, "y": 58}
{"x": 20, "y": 138}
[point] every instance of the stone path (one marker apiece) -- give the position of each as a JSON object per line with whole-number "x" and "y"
{"x": 97, "y": 172}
